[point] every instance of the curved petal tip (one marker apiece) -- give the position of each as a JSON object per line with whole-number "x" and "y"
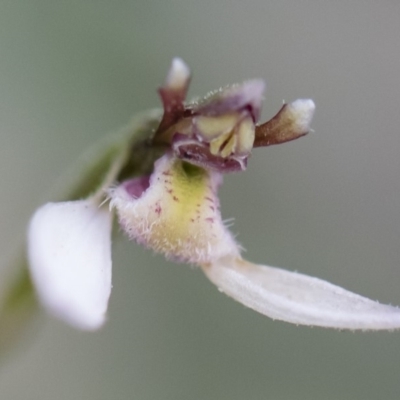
{"x": 69, "y": 252}
{"x": 298, "y": 298}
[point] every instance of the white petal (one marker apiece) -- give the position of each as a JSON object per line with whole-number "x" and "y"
{"x": 299, "y": 299}
{"x": 69, "y": 250}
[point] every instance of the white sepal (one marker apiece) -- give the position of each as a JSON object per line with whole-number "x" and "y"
{"x": 178, "y": 75}
{"x": 69, "y": 251}
{"x": 301, "y": 112}
{"x": 298, "y": 298}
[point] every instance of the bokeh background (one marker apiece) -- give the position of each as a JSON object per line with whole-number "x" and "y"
{"x": 326, "y": 205}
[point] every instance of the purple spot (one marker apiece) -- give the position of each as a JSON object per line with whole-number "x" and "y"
{"x": 158, "y": 209}
{"x": 136, "y": 187}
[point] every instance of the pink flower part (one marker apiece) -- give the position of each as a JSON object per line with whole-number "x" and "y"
{"x": 245, "y": 96}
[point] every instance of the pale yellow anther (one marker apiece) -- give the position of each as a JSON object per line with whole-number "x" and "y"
{"x": 229, "y": 147}
{"x": 217, "y": 143}
{"x": 238, "y": 141}
{"x": 212, "y": 127}
{"x": 245, "y": 136}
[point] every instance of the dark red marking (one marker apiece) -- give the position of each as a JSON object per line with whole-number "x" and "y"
{"x": 158, "y": 209}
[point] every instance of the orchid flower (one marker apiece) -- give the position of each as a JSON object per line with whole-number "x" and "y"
{"x": 163, "y": 189}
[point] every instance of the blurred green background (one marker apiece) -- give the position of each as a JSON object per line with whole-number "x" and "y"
{"x": 326, "y": 205}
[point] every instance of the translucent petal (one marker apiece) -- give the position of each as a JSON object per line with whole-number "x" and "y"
{"x": 298, "y": 298}
{"x": 69, "y": 251}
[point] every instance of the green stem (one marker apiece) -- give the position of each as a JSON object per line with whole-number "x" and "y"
{"x": 126, "y": 153}
{"x": 18, "y": 307}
